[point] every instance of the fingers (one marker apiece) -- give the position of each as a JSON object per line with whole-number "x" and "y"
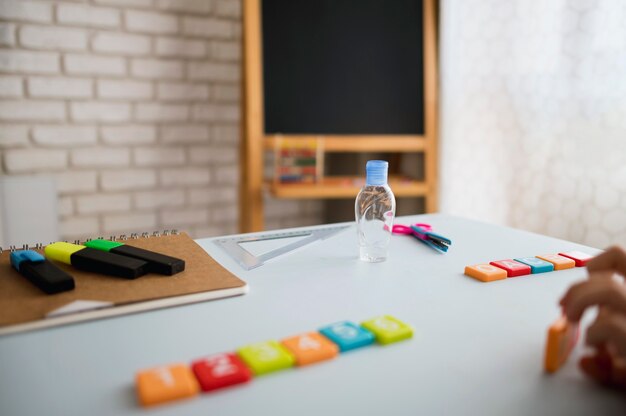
{"x": 609, "y": 329}
{"x": 612, "y": 260}
{"x": 603, "y": 292}
{"x": 604, "y": 369}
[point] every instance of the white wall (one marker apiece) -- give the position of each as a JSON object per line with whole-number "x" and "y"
{"x": 133, "y": 107}
{"x": 534, "y": 115}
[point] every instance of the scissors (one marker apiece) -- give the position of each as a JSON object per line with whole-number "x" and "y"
{"x": 423, "y": 232}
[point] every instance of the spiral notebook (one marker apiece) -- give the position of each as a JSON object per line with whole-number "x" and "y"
{"x": 24, "y": 307}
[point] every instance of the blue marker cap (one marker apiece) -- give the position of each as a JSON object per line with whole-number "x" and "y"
{"x": 17, "y": 257}
{"x": 376, "y": 172}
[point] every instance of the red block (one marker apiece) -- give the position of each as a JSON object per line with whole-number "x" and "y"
{"x": 579, "y": 257}
{"x": 220, "y": 370}
{"x": 513, "y": 268}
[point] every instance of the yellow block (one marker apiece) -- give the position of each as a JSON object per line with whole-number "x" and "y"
{"x": 62, "y": 251}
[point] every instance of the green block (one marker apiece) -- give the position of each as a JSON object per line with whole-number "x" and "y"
{"x": 103, "y": 245}
{"x": 388, "y": 329}
{"x": 266, "y": 357}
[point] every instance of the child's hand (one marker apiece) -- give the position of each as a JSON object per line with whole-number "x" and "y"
{"x": 607, "y": 335}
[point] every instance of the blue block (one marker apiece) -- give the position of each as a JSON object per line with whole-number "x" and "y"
{"x": 347, "y": 335}
{"x": 537, "y": 265}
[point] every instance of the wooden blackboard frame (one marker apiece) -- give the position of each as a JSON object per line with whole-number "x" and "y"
{"x": 255, "y": 142}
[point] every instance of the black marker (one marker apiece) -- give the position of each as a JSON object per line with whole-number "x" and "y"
{"x": 40, "y": 272}
{"x": 157, "y": 263}
{"x": 96, "y": 261}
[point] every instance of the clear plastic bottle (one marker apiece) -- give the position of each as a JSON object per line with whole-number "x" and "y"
{"x": 375, "y": 208}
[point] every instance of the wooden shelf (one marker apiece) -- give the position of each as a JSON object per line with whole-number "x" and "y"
{"x": 338, "y": 187}
{"x": 357, "y": 143}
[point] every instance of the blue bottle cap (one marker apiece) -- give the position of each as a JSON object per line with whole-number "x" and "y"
{"x": 376, "y": 172}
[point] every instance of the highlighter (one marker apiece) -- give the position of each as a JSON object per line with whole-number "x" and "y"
{"x": 40, "y": 272}
{"x": 157, "y": 262}
{"x": 96, "y": 261}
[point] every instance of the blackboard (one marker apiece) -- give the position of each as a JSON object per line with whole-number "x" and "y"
{"x": 343, "y": 67}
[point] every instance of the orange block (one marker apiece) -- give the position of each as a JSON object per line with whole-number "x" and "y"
{"x": 310, "y": 348}
{"x": 562, "y": 337}
{"x": 163, "y": 384}
{"x": 560, "y": 262}
{"x": 485, "y": 272}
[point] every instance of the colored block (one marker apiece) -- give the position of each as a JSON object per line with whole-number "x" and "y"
{"x": 266, "y": 357}
{"x": 310, "y": 348}
{"x": 347, "y": 335}
{"x": 562, "y": 337}
{"x": 580, "y": 258}
{"x": 537, "y": 265}
{"x": 164, "y": 384}
{"x": 220, "y": 370}
{"x": 512, "y": 267}
{"x": 388, "y": 329}
{"x": 560, "y": 262}
{"x": 485, "y": 272}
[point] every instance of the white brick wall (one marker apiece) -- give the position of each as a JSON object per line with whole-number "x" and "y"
{"x": 208, "y": 27}
{"x": 133, "y": 107}
{"x": 29, "y": 61}
{"x": 150, "y": 22}
{"x": 64, "y": 135}
{"x": 26, "y": 10}
{"x": 86, "y": 15}
{"x": 32, "y": 110}
{"x": 12, "y": 135}
{"x": 128, "y": 134}
{"x": 159, "y": 199}
{"x": 157, "y": 69}
{"x": 162, "y": 156}
{"x": 188, "y": 133}
{"x": 92, "y": 204}
{"x": 161, "y": 112}
{"x": 124, "y": 180}
{"x": 124, "y": 89}
{"x": 7, "y": 34}
{"x": 192, "y": 6}
{"x": 100, "y": 157}
{"x": 94, "y": 65}
{"x": 113, "y": 42}
{"x": 166, "y": 46}
{"x": 10, "y": 86}
{"x": 44, "y": 37}
{"x": 34, "y": 160}
{"x": 100, "y": 111}
{"x": 172, "y": 91}
{"x": 71, "y": 182}
{"x": 49, "y": 87}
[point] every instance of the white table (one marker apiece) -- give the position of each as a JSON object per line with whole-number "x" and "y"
{"x": 478, "y": 347}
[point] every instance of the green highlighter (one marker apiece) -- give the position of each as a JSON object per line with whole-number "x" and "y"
{"x": 157, "y": 263}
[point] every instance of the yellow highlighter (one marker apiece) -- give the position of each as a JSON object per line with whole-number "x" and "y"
{"x": 96, "y": 261}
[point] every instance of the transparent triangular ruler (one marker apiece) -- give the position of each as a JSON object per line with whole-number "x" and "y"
{"x": 233, "y": 245}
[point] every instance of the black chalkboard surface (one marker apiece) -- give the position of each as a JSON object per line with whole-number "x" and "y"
{"x": 343, "y": 66}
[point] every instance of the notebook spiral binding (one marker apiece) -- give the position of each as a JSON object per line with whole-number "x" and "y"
{"x": 121, "y": 237}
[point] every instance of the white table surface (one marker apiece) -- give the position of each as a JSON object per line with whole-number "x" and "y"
{"x": 478, "y": 347}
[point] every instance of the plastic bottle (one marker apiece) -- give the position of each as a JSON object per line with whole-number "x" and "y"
{"x": 375, "y": 208}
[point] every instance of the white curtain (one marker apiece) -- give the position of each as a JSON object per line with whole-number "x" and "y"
{"x": 533, "y": 115}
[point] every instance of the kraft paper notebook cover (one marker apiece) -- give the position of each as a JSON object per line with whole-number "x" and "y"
{"x": 24, "y": 307}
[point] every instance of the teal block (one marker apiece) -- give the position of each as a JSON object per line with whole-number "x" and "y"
{"x": 537, "y": 265}
{"x": 347, "y": 335}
